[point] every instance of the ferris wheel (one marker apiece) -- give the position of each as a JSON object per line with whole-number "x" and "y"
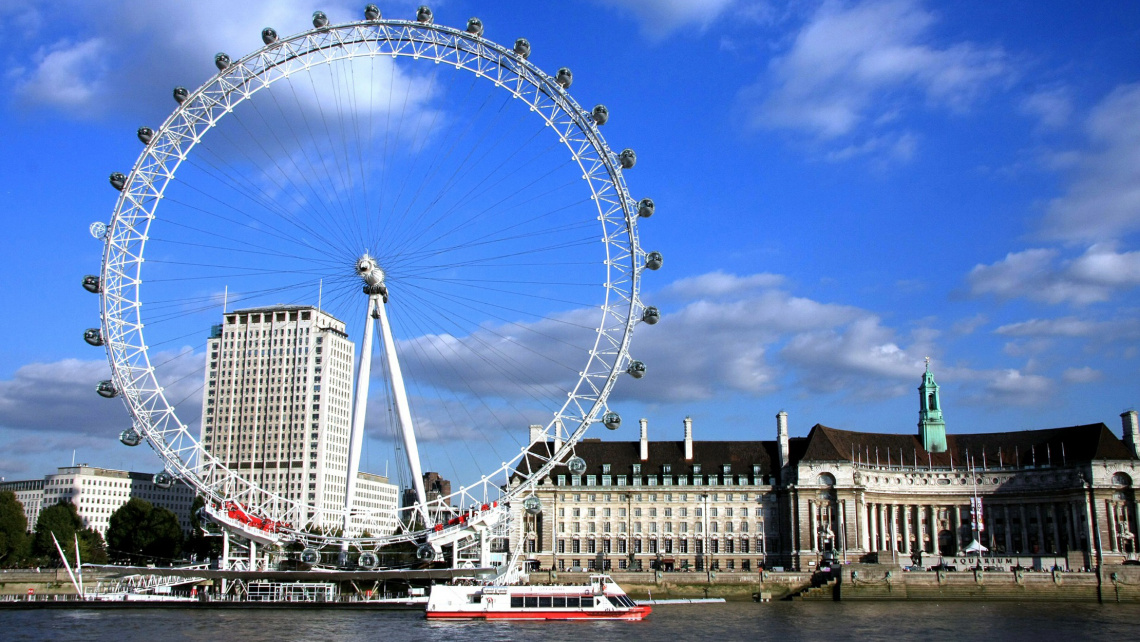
{"x": 398, "y": 175}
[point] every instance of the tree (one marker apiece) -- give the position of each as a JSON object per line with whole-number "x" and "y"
{"x": 63, "y": 521}
{"x": 92, "y": 547}
{"x": 140, "y": 531}
{"x": 198, "y": 544}
{"x": 14, "y": 543}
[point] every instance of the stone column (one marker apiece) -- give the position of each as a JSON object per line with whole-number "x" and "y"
{"x": 1008, "y": 531}
{"x": 813, "y": 531}
{"x": 1053, "y": 514}
{"x": 956, "y": 524}
{"x": 844, "y": 537}
{"x": 885, "y": 528}
{"x": 1110, "y": 515}
{"x": 864, "y": 531}
{"x": 1024, "y": 530}
{"x": 1074, "y": 541}
{"x": 893, "y": 515}
{"x": 1040, "y": 529}
{"x": 934, "y": 530}
{"x": 907, "y": 534}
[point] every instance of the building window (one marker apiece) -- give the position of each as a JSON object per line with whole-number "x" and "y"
{"x": 637, "y": 469}
{"x": 605, "y": 469}
{"x": 667, "y": 469}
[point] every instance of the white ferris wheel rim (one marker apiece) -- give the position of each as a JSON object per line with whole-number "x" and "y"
{"x": 134, "y": 375}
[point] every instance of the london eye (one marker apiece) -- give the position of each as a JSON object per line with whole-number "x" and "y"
{"x": 454, "y": 211}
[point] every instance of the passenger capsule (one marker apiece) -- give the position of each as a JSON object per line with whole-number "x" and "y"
{"x": 565, "y": 77}
{"x": 522, "y": 48}
{"x": 653, "y": 260}
{"x": 627, "y": 158}
{"x": 425, "y": 553}
{"x": 600, "y": 114}
{"x": 92, "y": 284}
{"x": 269, "y": 35}
{"x": 533, "y": 505}
{"x": 163, "y": 479}
{"x": 107, "y": 389}
{"x": 368, "y": 559}
{"x": 645, "y": 207}
{"x": 93, "y": 336}
{"x": 423, "y": 14}
{"x": 636, "y": 369}
{"x": 612, "y": 420}
{"x": 181, "y": 94}
{"x": 651, "y": 315}
{"x": 145, "y": 134}
{"x": 320, "y": 19}
{"x": 475, "y": 26}
{"x": 371, "y": 12}
{"x": 310, "y": 556}
{"x": 577, "y": 465}
{"x": 118, "y": 181}
{"x": 130, "y": 437}
{"x": 221, "y": 61}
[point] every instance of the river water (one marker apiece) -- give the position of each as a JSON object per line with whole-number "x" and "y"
{"x": 897, "y": 621}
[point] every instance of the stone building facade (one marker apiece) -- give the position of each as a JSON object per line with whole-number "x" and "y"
{"x": 1063, "y": 493}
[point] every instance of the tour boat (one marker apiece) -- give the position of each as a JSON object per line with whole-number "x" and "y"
{"x": 601, "y": 599}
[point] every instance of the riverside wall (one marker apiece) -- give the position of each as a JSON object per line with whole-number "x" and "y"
{"x": 42, "y": 582}
{"x": 887, "y": 582}
{"x": 671, "y": 585}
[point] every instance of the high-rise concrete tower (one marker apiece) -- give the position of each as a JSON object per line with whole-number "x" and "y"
{"x": 278, "y": 402}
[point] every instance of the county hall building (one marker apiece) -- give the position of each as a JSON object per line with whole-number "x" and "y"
{"x": 1065, "y": 494}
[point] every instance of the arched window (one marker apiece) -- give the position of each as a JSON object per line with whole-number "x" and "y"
{"x": 1121, "y": 479}
{"x": 932, "y": 402}
{"x": 826, "y": 479}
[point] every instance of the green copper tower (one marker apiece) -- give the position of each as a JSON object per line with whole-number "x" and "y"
{"x": 931, "y": 427}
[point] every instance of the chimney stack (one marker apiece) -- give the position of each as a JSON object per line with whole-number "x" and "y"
{"x": 688, "y": 439}
{"x": 782, "y": 437}
{"x": 644, "y": 439}
{"x": 1131, "y": 432}
{"x": 535, "y": 433}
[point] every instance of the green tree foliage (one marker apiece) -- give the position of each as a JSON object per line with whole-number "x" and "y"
{"x": 64, "y": 522}
{"x": 198, "y": 544}
{"x": 92, "y": 547}
{"x": 61, "y": 520}
{"x": 142, "y": 532}
{"x": 15, "y": 546}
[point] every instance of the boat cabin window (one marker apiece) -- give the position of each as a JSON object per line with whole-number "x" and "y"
{"x": 559, "y": 602}
{"x": 516, "y": 601}
{"x": 587, "y": 602}
{"x": 544, "y": 602}
{"x": 572, "y": 602}
{"x": 476, "y": 598}
{"x": 530, "y": 602}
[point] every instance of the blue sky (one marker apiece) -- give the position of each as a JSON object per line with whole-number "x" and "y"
{"x": 842, "y": 189}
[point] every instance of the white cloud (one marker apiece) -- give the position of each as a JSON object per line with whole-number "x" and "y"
{"x": 59, "y": 397}
{"x": 851, "y": 64}
{"x": 1012, "y": 386}
{"x": 660, "y": 18}
{"x": 1072, "y": 327}
{"x": 1103, "y": 200}
{"x": 1082, "y": 375}
{"x": 1051, "y": 107}
{"x": 863, "y": 357}
{"x": 132, "y": 57}
{"x": 1037, "y": 274}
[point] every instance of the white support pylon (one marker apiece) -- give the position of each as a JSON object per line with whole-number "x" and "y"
{"x": 377, "y": 291}
{"x": 404, "y": 413}
{"x": 359, "y": 410}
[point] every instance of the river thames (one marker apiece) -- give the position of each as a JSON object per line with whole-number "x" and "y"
{"x": 731, "y": 621}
